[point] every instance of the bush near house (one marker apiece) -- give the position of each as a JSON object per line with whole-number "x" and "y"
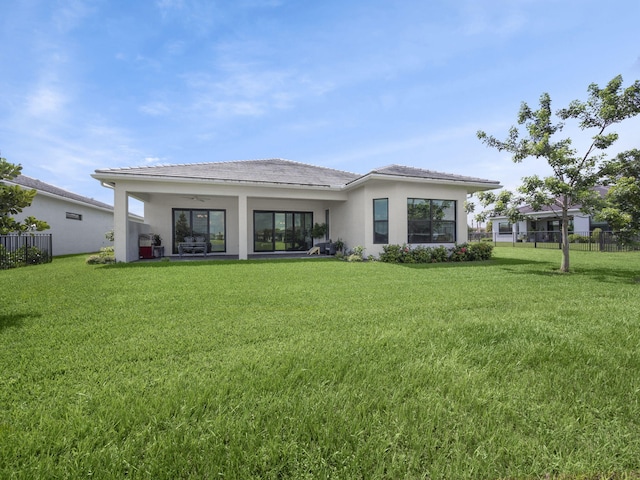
{"x": 577, "y": 238}
{"x": 463, "y": 252}
{"x": 22, "y": 256}
{"x": 106, "y": 256}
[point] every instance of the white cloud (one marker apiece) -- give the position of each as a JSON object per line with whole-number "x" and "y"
{"x": 199, "y": 16}
{"x": 45, "y": 102}
{"x": 70, "y": 14}
{"x": 155, "y": 109}
{"x": 242, "y": 91}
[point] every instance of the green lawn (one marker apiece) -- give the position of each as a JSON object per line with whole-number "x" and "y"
{"x": 322, "y": 369}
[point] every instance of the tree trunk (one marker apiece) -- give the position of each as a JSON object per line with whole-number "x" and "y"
{"x": 564, "y": 266}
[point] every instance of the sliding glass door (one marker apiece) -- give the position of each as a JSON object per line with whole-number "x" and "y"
{"x": 210, "y": 225}
{"x": 282, "y": 231}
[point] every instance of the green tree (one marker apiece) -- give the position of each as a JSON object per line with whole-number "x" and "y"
{"x": 183, "y": 229}
{"x": 574, "y": 175}
{"x": 13, "y": 199}
{"x": 622, "y": 210}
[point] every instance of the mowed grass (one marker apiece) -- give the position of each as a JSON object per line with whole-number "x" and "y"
{"x": 322, "y": 369}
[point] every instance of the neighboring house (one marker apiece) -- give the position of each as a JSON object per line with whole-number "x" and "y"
{"x": 544, "y": 225}
{"x": 78, "y": 224}
{"x": 244, "y": 208}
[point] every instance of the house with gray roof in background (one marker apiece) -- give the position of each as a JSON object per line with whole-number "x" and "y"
{"x": 242, "y": 209}
{"x": 78, "y": 224}
{"x": 543, "y": 225}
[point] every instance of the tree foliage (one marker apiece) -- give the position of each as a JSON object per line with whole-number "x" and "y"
{"x": 622, "y": 210}
{"x": 573, "y": 174}
{"x": 13, "y": 199}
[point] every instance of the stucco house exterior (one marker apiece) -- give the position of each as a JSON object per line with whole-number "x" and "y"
{"x": 263, "y": 207}
{"x": 544, "y": 224}
{"x": 78, "y": 224}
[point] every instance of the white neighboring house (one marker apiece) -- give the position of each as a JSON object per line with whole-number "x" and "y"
{"x": 257, "y": 207}
{"x": 78, "y": 224}
{"x": 544, "y": 225}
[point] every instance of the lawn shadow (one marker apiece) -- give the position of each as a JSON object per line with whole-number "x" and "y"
{"x": 216, "y": 261}
{"x": 608, "y": 275}
{"x": 604, "y": 275}
{"x": 14, "y": 320}
{"x": 483, "y": 263}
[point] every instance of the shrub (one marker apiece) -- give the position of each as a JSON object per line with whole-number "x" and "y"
{"x": 105, "y": 256}
{"x": 421, "y": 254}
{"x": 392, "y": 253}
{"x": 577, "y": 238}
{"x": 22, "y": 256}
{"x": 34, "y": 255}
{"x": 356, "y": 254}
{"x": 480, "y": 251}
{"x": 595, "y": 235}
{"x": 459, "y": 253}
{"x": 439, "y": 254}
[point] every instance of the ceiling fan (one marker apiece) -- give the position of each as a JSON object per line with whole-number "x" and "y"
{"x": 195, "y": 197}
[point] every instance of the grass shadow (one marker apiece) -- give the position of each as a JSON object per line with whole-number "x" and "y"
{"x": 599, "y": 274}
{"x": 483, "y": 263}
{"x": 208, "y": 263}
{"x": 14, "y": 320}
{"x": 608, "y": 275}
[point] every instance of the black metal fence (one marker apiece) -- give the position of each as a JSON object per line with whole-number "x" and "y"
{"x": 25, "y": 249}
{"x": 596, "y": 241}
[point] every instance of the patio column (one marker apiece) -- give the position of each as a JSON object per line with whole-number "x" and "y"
{"x": 243, "y": 231}
{"x": 121, "y": 224}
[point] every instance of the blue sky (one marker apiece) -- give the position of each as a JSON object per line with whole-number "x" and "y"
{"x": 352, "y": 85}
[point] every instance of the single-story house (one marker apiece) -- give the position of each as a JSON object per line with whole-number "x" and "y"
{"x": 246, "y": 208}
{"x": 78, "y": 224}
{"x": 544, "y": 224}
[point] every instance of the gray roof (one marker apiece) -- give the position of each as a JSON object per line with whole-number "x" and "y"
{"x": 527, "y": 209}
{"x": 32, "y": 183}
{"x": 402, "y": 171}
{"x": 260, "y": 171}
{"x": 280, "y": 171}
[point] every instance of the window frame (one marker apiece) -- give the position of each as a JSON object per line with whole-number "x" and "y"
{"x": 428, "y": 227}
{"x": 293, "y": 236}
{"x": 208, "y": 234}
{"x": 507, "y": 231}
{"x": 381, "y": 238}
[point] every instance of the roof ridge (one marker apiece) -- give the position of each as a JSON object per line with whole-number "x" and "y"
{"x": 184, "y": 164}
{"x": 223, "y": 162}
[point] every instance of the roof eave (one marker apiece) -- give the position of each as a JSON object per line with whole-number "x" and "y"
{"x": 75, "y": 201}
{"x": 110, "y": 178}
{"x": 471, "y": 186}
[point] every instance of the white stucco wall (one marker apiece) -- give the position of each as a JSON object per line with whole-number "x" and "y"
{"x": 581, "y": 224}
{"x": 398, "y": 192}
{"x": 351, "y": 210}
{"x": 162, "y": 199}
{"x": 71, "y": 236}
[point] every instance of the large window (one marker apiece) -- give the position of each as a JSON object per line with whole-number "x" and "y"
{"x": 282, "y": 231}
{"x": 505, "y": 228}
{"x": 208, "y": 224}
{"x": 380, "y": 220}
{"x": 431, "y": 221}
